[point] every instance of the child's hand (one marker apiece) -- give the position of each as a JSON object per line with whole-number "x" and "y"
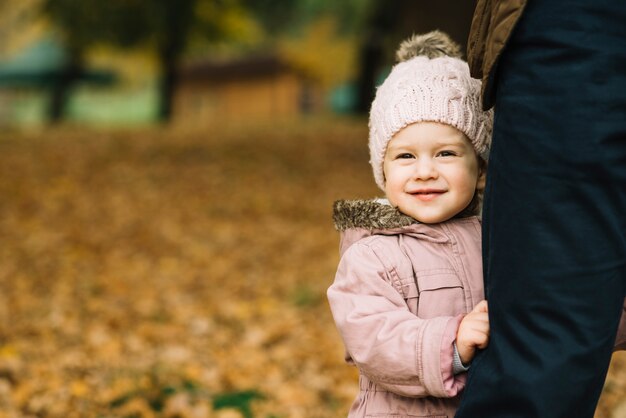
{"x": 473, "y": 332}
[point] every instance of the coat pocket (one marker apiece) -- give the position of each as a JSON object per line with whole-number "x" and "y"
{"x": 440, "y": 293}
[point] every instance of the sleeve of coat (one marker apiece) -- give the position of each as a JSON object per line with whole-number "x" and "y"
{"x": 389, "y": 344}
{"x": 620, "y": 341}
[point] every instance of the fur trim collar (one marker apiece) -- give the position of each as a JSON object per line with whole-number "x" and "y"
{"x": 368, "y": 214}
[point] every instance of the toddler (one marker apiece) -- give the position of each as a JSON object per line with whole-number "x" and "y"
{"x": 408, "y": 294}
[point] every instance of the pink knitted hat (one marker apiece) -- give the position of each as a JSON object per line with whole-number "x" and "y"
{"x": 429, "y": 84}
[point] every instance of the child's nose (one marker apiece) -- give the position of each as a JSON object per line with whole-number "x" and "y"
{"x": 424, "y": 169}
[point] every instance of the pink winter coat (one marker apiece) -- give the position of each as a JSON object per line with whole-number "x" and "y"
{"x": 399, "y": 294}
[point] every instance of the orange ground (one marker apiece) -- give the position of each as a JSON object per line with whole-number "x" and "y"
{"x": 156, "y": 273}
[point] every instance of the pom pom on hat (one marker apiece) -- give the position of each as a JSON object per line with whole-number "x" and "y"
{"x": 429, "y": 84}
{"x": 433, "y": 44}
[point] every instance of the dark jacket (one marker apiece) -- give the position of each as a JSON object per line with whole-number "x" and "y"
{"x": 492, "y": 25}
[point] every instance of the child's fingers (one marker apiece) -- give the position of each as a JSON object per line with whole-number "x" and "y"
{"x": 480, "y": 326}
{"x": 481, "y": 307}
{"x": 478, "y": 317}
{"x": 474, "y": 331}
{"x": 479, "y": 337}
{"x": 483, "y": 344}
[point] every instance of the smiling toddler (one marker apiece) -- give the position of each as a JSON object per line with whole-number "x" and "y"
{"x": 408, "y": 294}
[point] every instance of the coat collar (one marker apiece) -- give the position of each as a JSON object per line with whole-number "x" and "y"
{"x": 373, "y": 214}
{"x": 358, "y": 219}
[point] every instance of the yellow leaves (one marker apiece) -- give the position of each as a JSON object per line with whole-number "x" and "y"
{"x": 612, "y": 403}
{"x": 240, "y": 26}
{"x": 230, "y": 21}
{"x": 79, "y": 388}
{"x": 181, "y": 405}
{"x": 133, "y": 67}
{"x": 11, "y": 365}
{"x": 7, "y": 352}
{"x": 175, "y": 355}
{"x": 149, "y": 284}
{"x": 322, "y": 53}
{"x": 136, "y": 407}
{"x": 20, "y": 24}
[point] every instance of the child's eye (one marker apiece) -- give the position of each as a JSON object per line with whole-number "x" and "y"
{"x": 446, "y": 153}
{"x": 404, "y": 155}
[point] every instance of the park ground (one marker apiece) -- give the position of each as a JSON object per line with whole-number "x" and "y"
{"x": 180, "y": 273}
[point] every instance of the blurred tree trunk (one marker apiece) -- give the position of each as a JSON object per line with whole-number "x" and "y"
{"x": 372, "y": 50}
{"x": 388, "y": 24}
{"x": 167, "y": 84}
{"x": 63, "y": 84}
{"x": 178, "y": 17}
{"x": 163, "y": 25}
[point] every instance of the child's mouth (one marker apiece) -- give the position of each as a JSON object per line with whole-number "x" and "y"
{"x": 427, "y": 195}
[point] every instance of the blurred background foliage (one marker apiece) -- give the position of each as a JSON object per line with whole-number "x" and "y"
{"x": 137, "y": 49}
{"x": 167, "y": 172}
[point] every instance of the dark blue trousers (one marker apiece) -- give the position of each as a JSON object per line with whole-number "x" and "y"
{"x": 554, "y": 231}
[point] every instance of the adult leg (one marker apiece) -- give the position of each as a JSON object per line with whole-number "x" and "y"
{"x": 554, "y": 221}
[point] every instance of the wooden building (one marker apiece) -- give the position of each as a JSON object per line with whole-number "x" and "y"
{"x": 251, "y": 88}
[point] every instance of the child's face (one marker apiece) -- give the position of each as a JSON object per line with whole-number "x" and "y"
{"x": 431, "y": 171}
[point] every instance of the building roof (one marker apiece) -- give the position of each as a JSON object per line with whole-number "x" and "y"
{"x": 245, "y": 67}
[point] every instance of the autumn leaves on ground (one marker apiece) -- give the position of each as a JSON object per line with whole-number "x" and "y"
{"x": 176, "y": 273}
